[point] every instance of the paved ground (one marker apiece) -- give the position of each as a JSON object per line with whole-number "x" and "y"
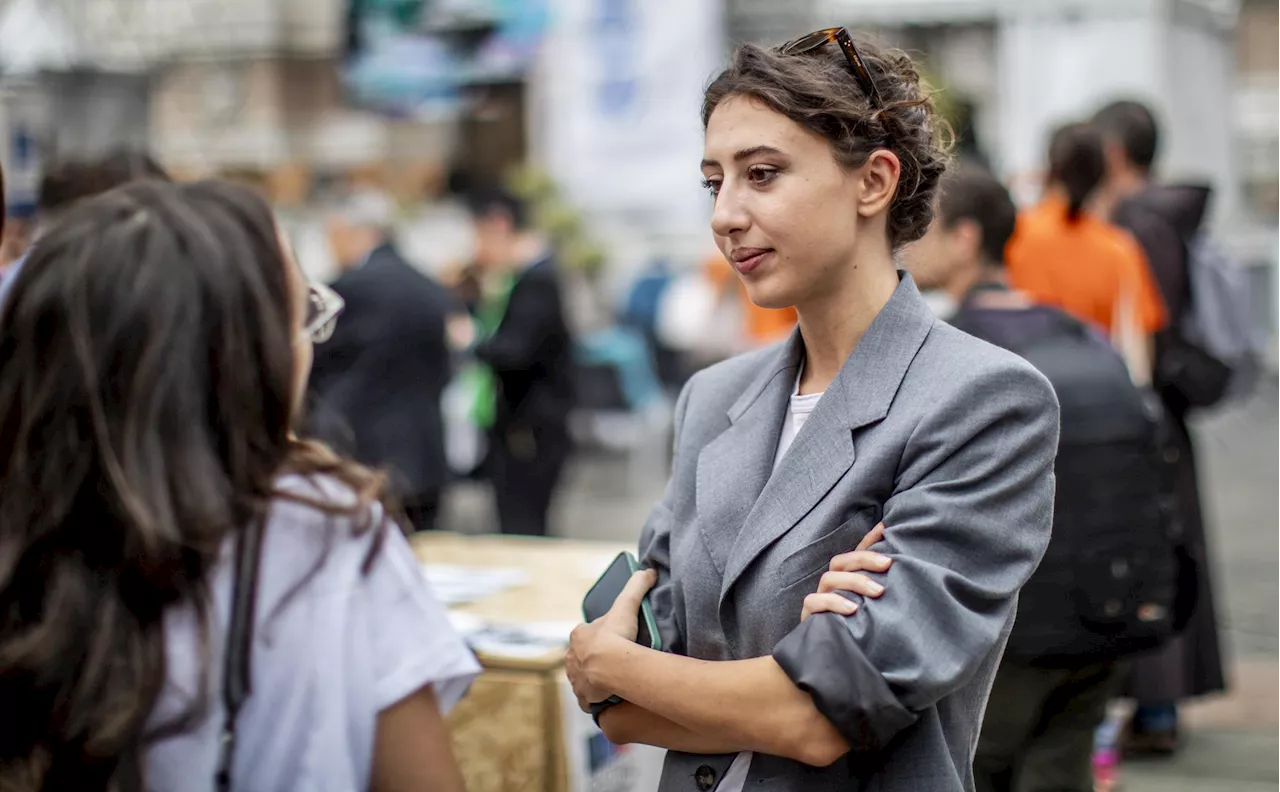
{"x": 1231, "y": 740}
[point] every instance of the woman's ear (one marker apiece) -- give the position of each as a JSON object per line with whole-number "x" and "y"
{"x": 879, "y": 176}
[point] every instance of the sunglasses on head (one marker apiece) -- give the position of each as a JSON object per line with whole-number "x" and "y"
{"x": 323, "y": 307}
{"x": 838, "y": 35}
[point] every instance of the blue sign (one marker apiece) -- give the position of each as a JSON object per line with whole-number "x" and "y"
{"x": 616, "y": 32}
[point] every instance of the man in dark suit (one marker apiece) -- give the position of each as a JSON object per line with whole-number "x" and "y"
{"x": 377, "y": 383}
{"x": 531, "y": 356}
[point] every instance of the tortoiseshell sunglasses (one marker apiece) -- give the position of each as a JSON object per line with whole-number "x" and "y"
{"x": 838, "y": 35}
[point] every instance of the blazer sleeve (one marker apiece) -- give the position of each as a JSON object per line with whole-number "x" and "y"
{"x": 967, "y": 524}
{"x": 655, "y": 546}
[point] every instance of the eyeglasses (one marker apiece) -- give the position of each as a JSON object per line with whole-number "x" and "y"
{"x": 323, "y": 307}
{"x": 838, "y": 35}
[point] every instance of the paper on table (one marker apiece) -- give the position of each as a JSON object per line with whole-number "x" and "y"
{"x": 520, "y": 640}
{"x": 458, "y": 585}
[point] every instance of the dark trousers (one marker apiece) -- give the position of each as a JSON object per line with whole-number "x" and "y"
{"x": 1037, "y": 735}
{"x": 423, "y": 510}
{"x": 525, "y": 465}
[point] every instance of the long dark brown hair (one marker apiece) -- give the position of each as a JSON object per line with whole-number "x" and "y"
{"x": 146, "y": 402}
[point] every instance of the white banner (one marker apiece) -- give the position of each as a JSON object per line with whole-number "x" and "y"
{"x": 615, "y": 115}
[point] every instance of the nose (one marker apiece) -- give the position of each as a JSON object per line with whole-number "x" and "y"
{"x": 729, "y": 216}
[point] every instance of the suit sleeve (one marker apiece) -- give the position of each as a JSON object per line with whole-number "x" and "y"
{"x": 655, "y": 547}
{"x": 532, "y": 312}
{"x": 966, "y": 526}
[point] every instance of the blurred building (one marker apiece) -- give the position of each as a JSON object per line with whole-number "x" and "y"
{"x": 1257, "y": 110}
{"x": 252, "y": 88}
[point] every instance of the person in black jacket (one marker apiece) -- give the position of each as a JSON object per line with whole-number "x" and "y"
{"x": 377, "y": 383}
{"x": 531, "y": 356}
{"x": 1164, "y": 219}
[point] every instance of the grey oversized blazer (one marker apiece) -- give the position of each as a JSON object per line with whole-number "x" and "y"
{"x": 947, "y": 439}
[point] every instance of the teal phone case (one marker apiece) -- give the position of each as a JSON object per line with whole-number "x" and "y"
{"x": 646, "y": 607}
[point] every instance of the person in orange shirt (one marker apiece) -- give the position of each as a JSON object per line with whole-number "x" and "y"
{"x": 1061, "y": 255}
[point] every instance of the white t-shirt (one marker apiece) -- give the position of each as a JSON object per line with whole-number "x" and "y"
{"x": 798, "y": 412}
{"x": 328, "y": 655}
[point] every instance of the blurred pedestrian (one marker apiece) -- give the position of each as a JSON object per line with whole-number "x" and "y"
{"x": 194, "y": 598}
{"x": 68, "y": 182}
{"x": 1164, "y": 219}
{"x": 1075, "y": 623}
{"x": 526, "y": 345}
{"x": 1062, "y": 255}
{"x": 379, "y": 381}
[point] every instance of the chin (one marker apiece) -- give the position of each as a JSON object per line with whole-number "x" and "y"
{"x": 770, "y": 295}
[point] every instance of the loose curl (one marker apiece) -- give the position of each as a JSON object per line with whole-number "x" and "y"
{"x": 818, "y": 91}
{"x": 146, "y": 403}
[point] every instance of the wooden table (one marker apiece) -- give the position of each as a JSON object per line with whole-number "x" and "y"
{"x": 508, "y": 732}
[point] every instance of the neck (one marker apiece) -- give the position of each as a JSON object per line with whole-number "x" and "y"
{"x": 1119, "y": 186}
{"x": 833, "y": 323}
{"x": 967, "y": 277}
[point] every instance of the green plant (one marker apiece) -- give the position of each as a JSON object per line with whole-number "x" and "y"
{"x": 558, "y": 219}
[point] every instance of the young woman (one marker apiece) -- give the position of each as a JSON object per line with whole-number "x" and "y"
{"x": 823, "y": 162}
{"x": 1062, "y": 255}
{"x": 155, "y": 350}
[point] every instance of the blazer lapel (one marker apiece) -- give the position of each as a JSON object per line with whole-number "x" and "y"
{"x": 823, "y": 451}
{"x": 733, "y": 468}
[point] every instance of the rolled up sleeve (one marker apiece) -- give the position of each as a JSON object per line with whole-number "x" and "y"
{"x": 966, "y": 527}
{"x": 655, "y": 547}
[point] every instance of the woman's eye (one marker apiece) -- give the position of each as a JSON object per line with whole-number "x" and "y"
{"x": 761, "y": 174}
{"x": 712, "y": 186}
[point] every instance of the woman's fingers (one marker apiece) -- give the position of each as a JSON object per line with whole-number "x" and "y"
{"x": 873, "y": 536}
{"x": 850, "y": 581}
{"x": 861, "y": 561}
{"x": 628, "y": 601}
{"x": 829, "y": 602}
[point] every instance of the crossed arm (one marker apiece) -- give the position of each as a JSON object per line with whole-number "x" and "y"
{"x": 757, "y": 706}
{"x": 966, "y": 528}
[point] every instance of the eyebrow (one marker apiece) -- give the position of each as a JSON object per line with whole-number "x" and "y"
{"x": 745, "y": 153}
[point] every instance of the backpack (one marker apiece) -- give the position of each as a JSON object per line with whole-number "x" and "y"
{"x": 1216, "y": 353}
{"x": 1107, "y": 585}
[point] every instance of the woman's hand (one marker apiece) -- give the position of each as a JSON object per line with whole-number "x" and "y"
{"x": 616, "y": 629}
{"x": 844, "y": 575}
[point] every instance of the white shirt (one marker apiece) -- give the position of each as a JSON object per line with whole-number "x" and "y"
{"x": 798, "y": 412}
{"x": 334, "y": 644}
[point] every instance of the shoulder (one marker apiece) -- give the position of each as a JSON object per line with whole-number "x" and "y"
{"x": 956, "y": 369}
{"x": 1117, "y": 241}
{"x": 544, "y": 274}
{"x": 317, "y": 517}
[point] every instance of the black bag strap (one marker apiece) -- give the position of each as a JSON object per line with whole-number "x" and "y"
{"x": 239, "y": 644}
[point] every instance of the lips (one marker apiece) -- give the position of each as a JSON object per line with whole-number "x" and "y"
{"x": 748, "y": 260}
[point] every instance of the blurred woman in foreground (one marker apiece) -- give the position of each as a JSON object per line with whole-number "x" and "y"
{"x": 155, "y": 349}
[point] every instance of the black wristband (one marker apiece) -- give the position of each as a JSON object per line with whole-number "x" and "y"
{"x": 599, "y": 707}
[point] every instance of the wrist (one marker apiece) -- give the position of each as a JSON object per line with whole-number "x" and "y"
{"x": 600, "y": 665}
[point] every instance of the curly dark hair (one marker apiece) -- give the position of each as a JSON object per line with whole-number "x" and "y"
{"x": 818, "y": 91}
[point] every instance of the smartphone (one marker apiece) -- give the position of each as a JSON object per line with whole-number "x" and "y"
{"x": 601, "y": 596}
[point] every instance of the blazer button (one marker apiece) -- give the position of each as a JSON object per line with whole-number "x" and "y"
{"x": 705, "y": 778}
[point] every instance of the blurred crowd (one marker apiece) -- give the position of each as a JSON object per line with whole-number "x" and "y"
{"x": 476, "y": 375}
